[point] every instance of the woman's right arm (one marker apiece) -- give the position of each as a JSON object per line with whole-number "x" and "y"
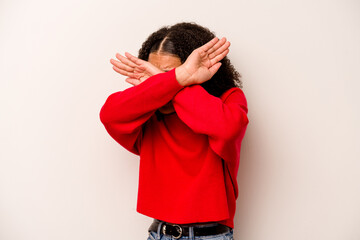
{"x": 124, "y": 112}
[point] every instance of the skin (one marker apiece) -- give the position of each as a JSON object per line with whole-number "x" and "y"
{"x": 165, "y": 62}
{"x": 199, "y": 67}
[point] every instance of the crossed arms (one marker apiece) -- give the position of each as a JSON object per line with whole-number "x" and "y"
{"x": 223, "y": 119}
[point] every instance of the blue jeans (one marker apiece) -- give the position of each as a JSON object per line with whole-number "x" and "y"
{"x": 160, "y": 236}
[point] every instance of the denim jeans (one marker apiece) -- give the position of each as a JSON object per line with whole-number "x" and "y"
{"x": 160, "y": 236}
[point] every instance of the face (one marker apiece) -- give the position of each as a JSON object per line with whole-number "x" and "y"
{"x": 165, "y": 62}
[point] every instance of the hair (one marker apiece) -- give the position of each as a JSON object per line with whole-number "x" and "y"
{"x": 180, "y": 40}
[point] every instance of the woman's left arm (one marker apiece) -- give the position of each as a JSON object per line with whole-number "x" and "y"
{"x": 224, "y": 120}
{"x": 220, "y": 118}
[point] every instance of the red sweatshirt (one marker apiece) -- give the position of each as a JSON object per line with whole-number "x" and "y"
{"x": 182, "y": 178}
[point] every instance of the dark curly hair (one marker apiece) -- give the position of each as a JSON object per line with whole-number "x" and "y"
{"x": 180, "y": 40}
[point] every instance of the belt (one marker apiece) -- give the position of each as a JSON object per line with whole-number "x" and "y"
{"x": 178, "y": 230}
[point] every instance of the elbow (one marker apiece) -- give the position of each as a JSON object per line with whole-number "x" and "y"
{"x": 107, "y": 116}
{"x": 106, "y": 113}
{"x": 103, "y": 116}
{"x": 235, "y": 128}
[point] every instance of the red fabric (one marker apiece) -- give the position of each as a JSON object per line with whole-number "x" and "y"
{"x": 181, "y": 178}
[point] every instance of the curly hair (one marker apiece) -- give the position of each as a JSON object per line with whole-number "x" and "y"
{"x": 180, "y": 40}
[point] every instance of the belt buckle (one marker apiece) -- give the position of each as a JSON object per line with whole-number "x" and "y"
{"x": 178, "y": 229}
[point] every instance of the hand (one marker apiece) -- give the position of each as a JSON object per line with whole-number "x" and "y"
{"x": 135, "y": 69}
{"x": 203, "y": 62}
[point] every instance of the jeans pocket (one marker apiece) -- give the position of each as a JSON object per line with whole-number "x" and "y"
{"x": 224, "y": 236}
{"x": 152, "y": 236}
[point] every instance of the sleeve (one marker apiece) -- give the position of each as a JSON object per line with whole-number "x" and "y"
{"x": 125, "y": 112}
{"x": 223, "y": 119}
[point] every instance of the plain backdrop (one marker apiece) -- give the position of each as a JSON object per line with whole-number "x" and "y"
{"x": 62, "y": 177}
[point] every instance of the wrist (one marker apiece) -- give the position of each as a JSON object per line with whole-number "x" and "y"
{"x": 182, "y": 75}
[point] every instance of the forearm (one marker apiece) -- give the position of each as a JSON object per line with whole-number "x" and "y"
{"x": 218, "y": 118}
{"x": 141, "y": 101}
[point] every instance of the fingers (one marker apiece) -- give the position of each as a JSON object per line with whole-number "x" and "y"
{"x": 219, "y": 48}
{"x": 125, "y": 60}
{"x": 215, "y": 50}
{"x": 127, "y": 66}
{"x": 140, "y": 69}
{"x": 133, "y": 81}
{"x": 123, "y": 72}
{"x": 209, "y": 44}
{"x": 217, "y": 45}
{"x": 121, "y": 66}
{"x": 214, "y": 68}
{"x": 214, "y": 44}
{"x": 219, "y": 57}
{"x": 134, "y": 59}
{"x": 132, "y": 67}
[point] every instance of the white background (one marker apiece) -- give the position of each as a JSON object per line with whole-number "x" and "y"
{"x": 63, "y": 177}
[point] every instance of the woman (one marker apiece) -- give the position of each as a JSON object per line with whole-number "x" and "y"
{"x": 185, "y": 117}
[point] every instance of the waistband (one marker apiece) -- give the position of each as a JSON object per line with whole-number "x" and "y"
{"x": 196, "y": 229}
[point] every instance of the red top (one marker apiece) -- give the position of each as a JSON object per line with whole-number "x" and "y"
{"x": 182, "y": 179}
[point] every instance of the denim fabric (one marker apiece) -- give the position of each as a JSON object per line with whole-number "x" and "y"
{"x": 159, "y": 236}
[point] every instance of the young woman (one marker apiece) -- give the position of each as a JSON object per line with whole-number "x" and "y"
{"x": 185, "y": 117}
